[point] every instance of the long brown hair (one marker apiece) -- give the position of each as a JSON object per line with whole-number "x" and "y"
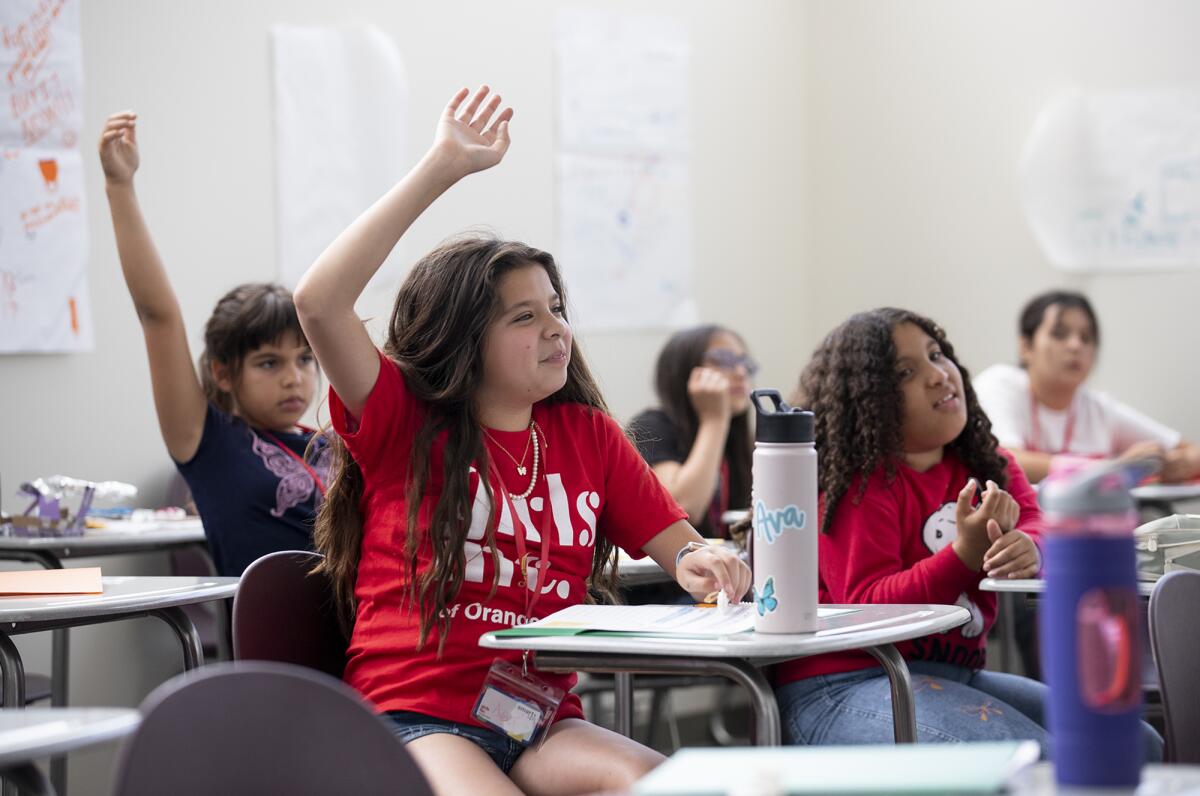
{"x": 852, "y": 387}
{"x": 249, "y": 316}
{"x": 436, "y": 337}
{"x": 681, "y": 353}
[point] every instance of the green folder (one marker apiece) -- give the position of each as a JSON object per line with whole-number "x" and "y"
{"x": 965, "y": 768}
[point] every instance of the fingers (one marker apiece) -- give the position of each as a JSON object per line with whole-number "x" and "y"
{"x": 1011, "y": 554}
{"x": 707, "y": 380}
{"x": 502, "y": 140}
{"x": 1024, "y": 565}
{"x": 469, "y": 112}
{"x": 965, "y": 495}
{"x": 481, "y": 120}
{"x": 452, "y": 106}
{"x": 499, "y": 127}
{"x": 993, "y": 531}
{"x": 715, "y": 569}
{"x": 991, "y": 498}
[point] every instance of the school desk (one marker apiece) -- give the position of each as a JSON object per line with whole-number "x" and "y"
{"x": 117, "y": 538}
{"x": 1162, "y": 498}
{"x": 871, "y": 628}
{"x": 1007, "y": 608}
{"x": 27, "y": 735}
{"x": 123, "y": 598}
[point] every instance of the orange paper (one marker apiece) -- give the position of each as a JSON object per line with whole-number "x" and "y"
{"x": 85, "y": 580}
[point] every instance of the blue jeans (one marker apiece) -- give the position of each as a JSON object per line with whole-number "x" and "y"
{"x": 953, "y": 704}
{"x": 409, "y": 726}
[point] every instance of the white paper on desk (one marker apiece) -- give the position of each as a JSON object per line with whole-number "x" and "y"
{"x": 687, "y": 620}
{"x": 341, "y": 110}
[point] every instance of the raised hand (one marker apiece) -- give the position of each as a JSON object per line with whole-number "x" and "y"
{"x": 118, "y": 148}
{"x": 464, "y": 136}
{"x": 708, "y": 390}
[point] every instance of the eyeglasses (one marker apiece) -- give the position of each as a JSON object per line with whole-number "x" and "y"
{"x": 725, "y": 359}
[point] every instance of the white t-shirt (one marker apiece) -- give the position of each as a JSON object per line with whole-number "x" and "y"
{"x": 1102, "y": 425}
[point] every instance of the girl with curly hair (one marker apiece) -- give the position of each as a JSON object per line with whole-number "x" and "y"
{"x": 904, "y": 451}
{"x": 479, "y": 483}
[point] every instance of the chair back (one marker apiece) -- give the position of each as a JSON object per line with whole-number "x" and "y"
{"x": 283, "y": 613}
{"x": 1176, "y": 647}
{"x": 256, "y": 727}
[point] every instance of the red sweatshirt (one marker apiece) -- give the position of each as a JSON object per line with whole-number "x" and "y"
{"x": 894, "y": 546}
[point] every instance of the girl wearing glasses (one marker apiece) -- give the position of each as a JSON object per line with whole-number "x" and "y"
{"x": 698, "y": 443}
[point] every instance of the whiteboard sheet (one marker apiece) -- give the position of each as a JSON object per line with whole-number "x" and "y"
{"x": 624, "y": 209}
{"x": 1111, "y": 181}
{"x": 341, "y": 110}
{"x": 625, "y": 241}
{"x": 44, "y": 302}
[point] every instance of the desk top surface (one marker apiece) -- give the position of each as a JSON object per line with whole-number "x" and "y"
{"x": 40, "y": 732}
{"x": 867, "y": 626}
{"x": 1038, "y": 585}
{"x": 1167, "y": 492}
{"x": 121, "y": 595}
{"x": 117, "y": 536}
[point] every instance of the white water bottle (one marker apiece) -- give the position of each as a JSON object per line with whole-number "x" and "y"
{"x": 784, "y": 506}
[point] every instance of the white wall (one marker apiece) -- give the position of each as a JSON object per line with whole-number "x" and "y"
{"x": 199, "y": 76}
{"x": 918, "y": 112}
{"x": 846, "y": 154}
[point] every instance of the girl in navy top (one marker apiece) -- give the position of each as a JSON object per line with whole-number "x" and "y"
{"x": 233, "y": 429}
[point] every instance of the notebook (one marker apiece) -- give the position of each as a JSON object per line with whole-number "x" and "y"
{"x": 903, "y": 769}
{"x": 84, "y": 580}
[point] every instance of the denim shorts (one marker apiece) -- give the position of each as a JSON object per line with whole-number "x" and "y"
{"x": 409, "y": 726}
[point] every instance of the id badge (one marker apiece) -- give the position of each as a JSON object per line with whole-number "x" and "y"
{"x": 517, "y": 703}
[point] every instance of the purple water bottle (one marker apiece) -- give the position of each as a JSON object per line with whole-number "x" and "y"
{"x": 1089, "y": 627}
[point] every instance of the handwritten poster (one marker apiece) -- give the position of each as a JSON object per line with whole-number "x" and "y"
{"x": 1111, "y": 181}
{"x": 341, "y": 115}
{"x": 624, "y": 214}
{"x": 43, "y": 233}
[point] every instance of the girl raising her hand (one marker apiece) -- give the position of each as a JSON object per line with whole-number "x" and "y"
{"x": 482, "y": 484}
{"x": 233, "y": 430}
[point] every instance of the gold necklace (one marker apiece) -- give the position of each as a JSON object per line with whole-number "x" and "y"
{"x": 520, "y": 464}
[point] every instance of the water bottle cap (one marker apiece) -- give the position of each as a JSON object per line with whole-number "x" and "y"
{"x": 780, "y": 422}
{"x": 1101, "y": 488}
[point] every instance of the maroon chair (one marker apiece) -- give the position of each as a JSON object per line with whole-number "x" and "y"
{"x": 283, "y": 613}
{"x": 256, "y": 727}
{"x": 1176, "y": 647}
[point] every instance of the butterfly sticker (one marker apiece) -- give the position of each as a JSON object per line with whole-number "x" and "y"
{"x": 767, "y": 601}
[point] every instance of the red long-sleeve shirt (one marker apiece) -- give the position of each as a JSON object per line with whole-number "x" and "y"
{"x": 894, "y": 546}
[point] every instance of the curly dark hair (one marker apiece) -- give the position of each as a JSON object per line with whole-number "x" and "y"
{"x": 852, "y": 387}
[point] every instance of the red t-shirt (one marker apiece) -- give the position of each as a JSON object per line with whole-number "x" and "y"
{"x": 593, "y": 482}
{"x": 894, "y": 547}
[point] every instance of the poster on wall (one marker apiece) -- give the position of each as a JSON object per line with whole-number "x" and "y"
{"x": 1111, "y": 181}
{"x": 624, "y": 214}
{"x": 341, "y": 116}
{"x": 43, "y": 229}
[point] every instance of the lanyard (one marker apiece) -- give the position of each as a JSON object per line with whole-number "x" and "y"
{"x": 543, "y": 564}
{"x": 1035, "y": 439}
{"x": 313, "y": 473}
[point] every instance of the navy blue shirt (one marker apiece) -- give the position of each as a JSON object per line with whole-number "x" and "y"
{"x": 252, "y": 496}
